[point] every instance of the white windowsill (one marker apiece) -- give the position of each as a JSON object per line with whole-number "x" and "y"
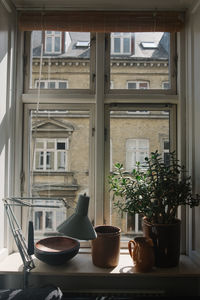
{"x": 82, "y": 264}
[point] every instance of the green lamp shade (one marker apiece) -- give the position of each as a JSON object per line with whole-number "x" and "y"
{"x": 78, "y": 225}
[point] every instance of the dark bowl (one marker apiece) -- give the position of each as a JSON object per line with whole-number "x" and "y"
{"x": 56, "y": 250}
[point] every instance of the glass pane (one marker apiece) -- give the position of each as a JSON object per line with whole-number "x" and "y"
{"x": 61, "y": 145}
{"x": 50, "y": 144}
{"x": 51, "y": 85}
{"x": 61, "y": 160}
{"x": 69, "y": 67}
{"x": 62, "y": 85}
{"x": 134, "y": 136}
{"x": 57, "y": 44}
{"x": 132, "y": 85}
{"x": 39, "y": 160}
{"x": 144, "y": 57}
{"x": 64, "y": 172}
{"x": 39, "y": 145}
{"x": 116, "y": 45}
{"x": 48, "y": 44}
{"x": 38, "y": 220}
{"x": 126, "y": 45}
{"x": 49, "y": 220}
{"x": 50, "y": 161}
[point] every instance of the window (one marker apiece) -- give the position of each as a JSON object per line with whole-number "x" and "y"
{"x": 50, "y": 155}
{"x": 52, "y": 84}
{"x": 165, "y": 85}
{"x": 136, "y": 151}
{"x": 120, "y": 43}
{"x": 59, "y": 69}
{"x": 72, "y": 142}
{"x": 138, "y": 85}
{"x": 53, "y": 42}
{"x": 144, "y": 63}
{"x": 134, "y": 133}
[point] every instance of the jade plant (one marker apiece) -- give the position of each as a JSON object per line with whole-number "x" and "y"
{"x": 154, "y": 189}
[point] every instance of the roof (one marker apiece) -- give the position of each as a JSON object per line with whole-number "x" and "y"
{"x": 77, "y": 45}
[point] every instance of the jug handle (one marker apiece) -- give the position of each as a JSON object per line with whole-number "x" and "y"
{"x": 130, "y": 249}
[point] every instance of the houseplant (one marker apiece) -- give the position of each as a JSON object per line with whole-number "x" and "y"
{"x": 155, "y": 191}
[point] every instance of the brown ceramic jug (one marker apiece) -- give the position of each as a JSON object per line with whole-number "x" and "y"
{"x": 142, "y": 252}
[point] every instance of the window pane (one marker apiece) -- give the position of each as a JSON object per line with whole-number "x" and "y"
{"x": 144, "y": 57}
{"x": 49, "y": 220}
{"x": 50, "y": 144}
{"x": 117, "y": 45}
{"x": 61, "y": 170}
{"x": 50, "y": 161}
{"x": 134, "y": 136}
{"x": 62, "y": 85}
{"x": 126, "y": 45}
{"x": 61, "y": 160}
{"x": 67, "y": 68}
{"x": 48, "y": 44}
{"x": 61, "y": 145}
{"x": 132, "y": 85}
{"x": 51, "y": 85}
{"x": 38, "y": 220}
{"x": 39, "y": 160}
{"x": 57, "y": 44}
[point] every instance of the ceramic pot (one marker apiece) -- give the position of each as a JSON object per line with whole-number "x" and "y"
{"x": 142, "y": 252}
{"x": 166, "y": 240}
{"x": 106, "y": 247}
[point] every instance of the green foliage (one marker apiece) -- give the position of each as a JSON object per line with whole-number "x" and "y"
{"x": 154, "y": 190}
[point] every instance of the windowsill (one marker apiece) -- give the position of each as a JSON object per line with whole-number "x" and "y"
{"x": 82, "y": 264}
{"x": 89, "y": 277}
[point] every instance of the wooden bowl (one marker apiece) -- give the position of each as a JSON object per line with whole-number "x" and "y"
{"x": 56, "y": 250}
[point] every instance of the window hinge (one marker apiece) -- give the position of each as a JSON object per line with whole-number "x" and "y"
{"x": 105, "y": 134}
{"x": 93, "y": 77}
{"x": 93, "y": 131}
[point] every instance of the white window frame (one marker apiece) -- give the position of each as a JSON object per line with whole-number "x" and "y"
{"x": 101, "y": 102}
{"x": 121, "y": 36}
{"x": 137, "y": 83}
{"x": 45, "y": 151}
{"x": 47, "y": 81}
{"x": 53, "y": 35}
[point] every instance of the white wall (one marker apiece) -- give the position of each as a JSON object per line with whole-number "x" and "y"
{"x": 7, "y": 107}
{"x": 193, "y": 122}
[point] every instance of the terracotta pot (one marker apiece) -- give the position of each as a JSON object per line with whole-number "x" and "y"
{"x": 166, "y": 240}
{"x": 142, "y": 252}
{"x": 106, "y": 247}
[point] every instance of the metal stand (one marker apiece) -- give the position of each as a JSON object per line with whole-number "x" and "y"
{"x": 17, "y": 233}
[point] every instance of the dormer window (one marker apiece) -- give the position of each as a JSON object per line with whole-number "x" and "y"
{"x": 121, "y": 43}
{"x": 53, "y": 42}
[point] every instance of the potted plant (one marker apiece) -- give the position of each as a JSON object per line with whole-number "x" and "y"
{"x": 155, "y": 191}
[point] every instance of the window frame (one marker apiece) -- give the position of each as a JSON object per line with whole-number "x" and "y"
{"x": 102, "y": 102}
{"x": 172, "y": 73}
{"x": 126, "y": 107}
{"x": 27, "y": 71}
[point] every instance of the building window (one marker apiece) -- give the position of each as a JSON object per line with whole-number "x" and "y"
{"x": 50, "y": 155}
{"x": 51, "y": 84}
{"x": 53, "y": 42}
{"x": 138, "y": 85}
{"x": 120, "y": 43}
{"x": 165, "y": 85}
{"x": 136, "y": 151}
